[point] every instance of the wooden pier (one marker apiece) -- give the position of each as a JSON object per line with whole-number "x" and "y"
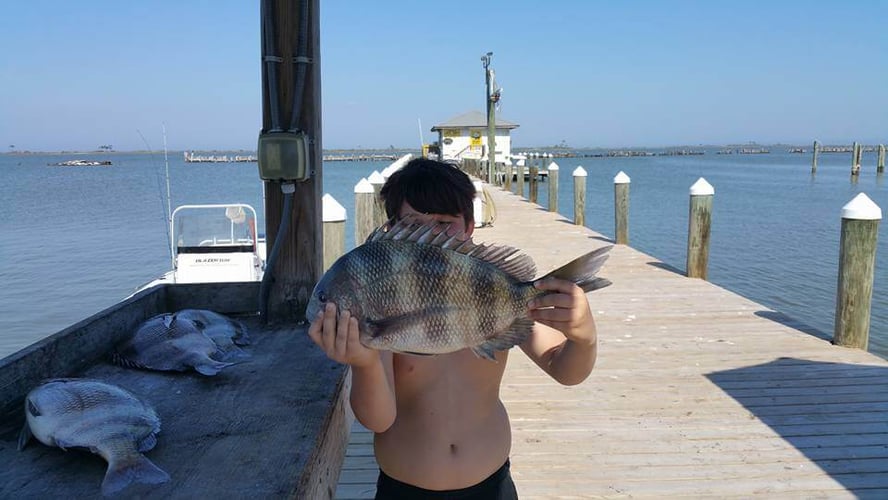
{"x": 698, "y": 392}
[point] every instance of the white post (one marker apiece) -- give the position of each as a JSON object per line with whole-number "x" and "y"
{"x": 579, "y": 176}
{"x": 857, "y": 258}
{"x": 365, "y": 205}
{"x": 553, "y": 187}
{"x": 699, "y": 225}
{"x": 333, "y": 216}
{"x": 377, "y": 180}
{"x": 621, "y": 208}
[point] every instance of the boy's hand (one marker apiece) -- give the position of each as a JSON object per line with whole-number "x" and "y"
{"x": 339, "y": 338}
{"x": 566, "y": 311}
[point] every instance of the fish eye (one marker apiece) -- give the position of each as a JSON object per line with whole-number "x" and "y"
{"x": 322, "y": 296}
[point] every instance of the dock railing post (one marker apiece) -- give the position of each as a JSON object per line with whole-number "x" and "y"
{"x": 534, "y": 185}
{"x": 814, "y": 157}
{"x": 621, "y": 208}
{"x": 333, "y": 215}
{"x": 507, "y": 176}
{"x": 364, "y": 208}
{"x": 553, "y": 187}
{"x": 579, "y": 176}
{"x": 699, "y": 225}
{"x": 519, "y": 178}
{"x": 377, "y": 180}
{"x": 857, "y": 257}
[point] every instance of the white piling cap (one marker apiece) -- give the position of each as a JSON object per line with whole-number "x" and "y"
{"x": 579, "y": 172}
{"x": 376, "y": 178}
{"x": 861, "y": 208}
{"x": 520, "y": 163}
{"x": 702, "y": 188}
{"x": 363, "y": 186}
{"x": 553, "y": 166}
{"x": 621, "y": 178}
{"x": 331, "y": 210}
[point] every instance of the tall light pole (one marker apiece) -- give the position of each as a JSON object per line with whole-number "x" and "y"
{"x": 489, "y": 93}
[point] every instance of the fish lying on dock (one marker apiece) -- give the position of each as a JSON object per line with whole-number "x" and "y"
{"x": 167, "y": 342}
{"x": 103, "y": 418}
{"x": 221, "y": 329}
{"x": 414, "y": 289}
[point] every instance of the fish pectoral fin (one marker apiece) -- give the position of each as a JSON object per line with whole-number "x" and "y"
{"x": 518, "y": 331}
{"x": 24, "y": 436}
{"x": 148, "y": 443}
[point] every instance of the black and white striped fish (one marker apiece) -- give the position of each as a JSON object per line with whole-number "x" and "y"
{"x": 100, "y": 417}
{"x": 414, "y": 289}
{"x": 166, "y": 342}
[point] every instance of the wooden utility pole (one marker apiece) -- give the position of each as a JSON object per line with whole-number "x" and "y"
{"x": 489, "y": 95}
{"x": 299, "y": 263}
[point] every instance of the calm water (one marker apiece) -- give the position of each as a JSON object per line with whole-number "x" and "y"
{"x": 79, "y": 239}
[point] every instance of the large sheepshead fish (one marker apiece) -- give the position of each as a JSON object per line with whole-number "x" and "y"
{"x": 415, "y": 289}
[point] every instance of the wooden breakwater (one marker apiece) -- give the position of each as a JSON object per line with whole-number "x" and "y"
{"x": 698, "y": 392}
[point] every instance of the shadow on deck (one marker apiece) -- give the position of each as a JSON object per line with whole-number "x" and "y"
{"x": 836, "y": 414}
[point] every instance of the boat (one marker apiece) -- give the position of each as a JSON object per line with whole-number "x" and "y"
{"x": 213, "y": 243}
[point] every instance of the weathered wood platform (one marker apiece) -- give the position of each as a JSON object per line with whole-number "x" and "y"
{"x": 698, "y": 392}
{"x": 272, "y": 427}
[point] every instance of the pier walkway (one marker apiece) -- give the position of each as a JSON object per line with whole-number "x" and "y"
{"x": 698, "y": 392}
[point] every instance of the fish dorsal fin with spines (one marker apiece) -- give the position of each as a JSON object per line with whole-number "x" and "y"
{"x": 508, "y": 259}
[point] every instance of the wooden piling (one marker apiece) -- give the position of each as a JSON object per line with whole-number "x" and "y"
{"x": 553, "y": 187}
{"x": 699, "y": 225}
{"x": 365, "y": 204}
{"x": 519, "y": 178}
{"x": 298, "y": 265}
{"x": 880, "y": 165}
{"x": 534, "y": 185}
{"x": 579, "y": 176}
{"x": 855, "y": 159}
{"x": 507, "y": 176}
{"x": 857, "y": 256}
{"x": 814, "y": 157}
{"x": 334, "y": 230}
{"x": 621, "y": 208}
{"x": 377, "y": 180}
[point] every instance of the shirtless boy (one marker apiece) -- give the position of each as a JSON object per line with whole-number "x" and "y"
{"x": 440, "y": 427}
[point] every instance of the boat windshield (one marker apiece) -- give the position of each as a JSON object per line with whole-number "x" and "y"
{"x": 209, "y": 228}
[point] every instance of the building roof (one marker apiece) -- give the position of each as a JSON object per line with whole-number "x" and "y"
{"x": 472, "y": 119}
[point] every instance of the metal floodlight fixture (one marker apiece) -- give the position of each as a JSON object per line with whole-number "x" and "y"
{"x": 485, "y": 59}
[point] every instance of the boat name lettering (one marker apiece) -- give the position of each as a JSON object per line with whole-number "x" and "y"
{"x": 212, "y": 260}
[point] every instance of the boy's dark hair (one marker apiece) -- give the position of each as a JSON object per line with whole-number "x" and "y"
{"x": 430, "y": 186}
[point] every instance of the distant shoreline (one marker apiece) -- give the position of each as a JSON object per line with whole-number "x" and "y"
{"x": 396, "y": 150}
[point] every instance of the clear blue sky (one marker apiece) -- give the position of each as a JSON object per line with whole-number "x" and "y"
{"x": 79, "y": 74}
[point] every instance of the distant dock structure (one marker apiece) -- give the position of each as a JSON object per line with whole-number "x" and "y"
{"x": 190, "y": 157}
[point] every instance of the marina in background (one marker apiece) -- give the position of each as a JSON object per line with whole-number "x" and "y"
{"x": 103, "y": 233}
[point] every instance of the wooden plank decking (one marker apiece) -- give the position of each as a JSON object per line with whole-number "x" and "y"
{"x": 698, "y": 392}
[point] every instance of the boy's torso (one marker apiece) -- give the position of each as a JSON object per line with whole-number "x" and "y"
{"x": 451, "y": 429}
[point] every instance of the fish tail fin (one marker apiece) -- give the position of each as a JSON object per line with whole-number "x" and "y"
{"x": 231, "y": 354}
{"x": 583, "y": 269}
{"x": 210, "y": 367}
{"x": 133, "y": 469}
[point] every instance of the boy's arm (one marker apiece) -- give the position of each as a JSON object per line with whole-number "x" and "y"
{"x": 564, "y": 342}
{"x": 372, "y": 395}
